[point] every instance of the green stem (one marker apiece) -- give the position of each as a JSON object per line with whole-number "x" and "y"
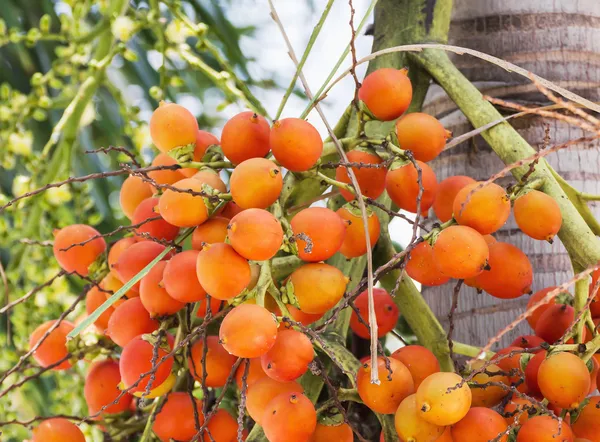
{"x": 469, "y": 350}
{"x": 589, "y": 197}
{"x": 582, "y": 288}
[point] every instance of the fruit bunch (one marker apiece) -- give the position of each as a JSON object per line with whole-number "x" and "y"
{"x": 223, "y": 288}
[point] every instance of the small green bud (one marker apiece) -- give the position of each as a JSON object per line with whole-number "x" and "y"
{"x": 55, "y": 83}
{"x": 45, "y": 23}
{"x": 37, "y": 79}
{"x": 156, "y": 93}
{"x": 130, "y": 55}
{"x": 2, "y": 27}
{"x": 14, "y": 36}
{"x": 45, "y": 101}
{"x": 34, "y": 34}
{"x": 5, "y": 91}
{"x": 65, "y": 22}
{"x": 176, "y": 81}
{"x": 39, "y": 115}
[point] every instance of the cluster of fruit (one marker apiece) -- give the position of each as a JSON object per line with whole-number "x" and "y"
{"x": 236, "y": 229}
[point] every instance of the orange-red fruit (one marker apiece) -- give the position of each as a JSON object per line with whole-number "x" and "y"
{"x": 133, "y": 191}
{"x": 255, "y": 234}
{"x": 527, "y": 341}
{"x": 355, "y": 244}
{"x": 587, "y": 424}
{"x": 79, "y": 257}
{"x": 255, "y": 373}
{"x": 330, "y": 433}
{"x": 460, "y": 252}
{"x": 411, "y": 427}
{"x": 183, "y": 209}
{"x": 54, "y": 347}
{"x": 443, "y": 398}
{"x": 177, "y": 418}
{"x": 289, "y": 417}
{"x": 57, "y": 430}
{"x": 135, "y": 258}
{"x": 371, "y": 180}
{"x": 480, "y": 425}
{"x": 485, "y": 209}
{"x": 94, "y": 299}
{"x": 222, "y": 271}
{"x": 564, "y": 379}
{"x": 296, "y": 144}
{"x": 538, "y": 215}
{"x": 446, "y": 193}
{"x": 203, "y": 141}
{"x": 154, "y": 296}
{"x": 209, "y": 232}
{"x": 167, "y": 176}
{"x": 553, "y": 323}
{"x": 218, "y": 362}
{"x": 102, "y": 388}
{"x": 318, "y": 287}
{"x": 230, "y": 210}
{"x": 180, "y": 279}
{"x": 158, "y": 228}
{"x": 303, "y": 317}
{"x": 518, "y": 408}
{"x": 534, "y": 299}
{"x": 422, "y": 134}
{"x": 386, "y": 313}
{"x": 261, "y": 392}
{"x": 129, "y": 320}
{"x": 488, "y": 396}
{"x": 393, "y": 388}
{"x": 402, "y": 186}
{"x": 288, "y": 359}
{"x": 532, "y": 370}
{"x": 171, "y": 126}
{"x": 245, "y": 136}
{"x": 420, "y": 361}
{"x": 422, "y": 267}
{"x": 215, "y": 306}
{"x": 387, "y": 92}
{"x": 545, "y": 429}
{"x": 116, "y": 250}
{"x": 223, "y": 428}
{"x": 511, "y": 364}
{"x": 210, "y": 178}
{"x": 256, "y": 182}
{"x": 136, "y": 359}
{"x": 325, "y": 229}
{"x": 248, "y": 331}
{"x": 510, "y": 274}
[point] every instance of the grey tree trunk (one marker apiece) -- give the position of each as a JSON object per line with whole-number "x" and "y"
{"x": 558, "y": 40}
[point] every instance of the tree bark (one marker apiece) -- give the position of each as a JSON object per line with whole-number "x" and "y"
{"x": 558, "y": 41}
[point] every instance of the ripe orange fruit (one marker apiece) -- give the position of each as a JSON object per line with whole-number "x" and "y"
{"x": 183, "y": 209}
{"x": 422, "y": 267}
{"x": 460, "y": 252}
{"x": 532, "y": 370}
{"x": 133, "y": 191}
{"x": 159, "y": 228}
{"x": 203, "y": 141}
{"x": 248, "y": 331}
{"x": 289, "y": 417}
{"x": 54, "y": 347}
{"x": 135, "y": 258}
{"x": 443, "y": 399}
{"x": 394, "y": 387}
{"x": 221, "y": 271}
{"x": 371, "y": 180}
{"x": 411, "y": 427}
{"x": 387, "y": 92}
{"x": 256, "y": 182}
{"x": 510, "y": 274}
{"x": 218, "y": 362}
{"x": 288, "y": 359}
{"x": 355, "y": 243}
{"x": 538, "y": 215}
{"x": 136, "y": 359}
{"x": 528, "y": 341}
{"x": 480, "y": 425}
{"x": 57, "y": 430}
{"x": 534, "y": 299}
{"x": 94, "y": 299}
{"x": 171, "y": 126}
{"x": 386, "y": 313}
{"x": 223, "y": 427}
{"x": 422, "y": 134}
{"x": 564, "y": 379}
{"x": 102, "y": 388}
{"x": 545, "y": 429}
{"x": 420, "y": 361}
{"x": 296, "y": 144}
{"x": 129, "y": 320}
{"x": 177, "y": 418}
{"x": 402, "y": 186}
{"x": 211, "y": 231}
{"x": 485, "y": 209}
{"x": 318, "y": 287}
{"x": 553, "y": 323}
{"x": 489, "y": 396}
{"x": 446, "y": 193}
{"x": 79, "y": 257}
{"x": 255, "y": 373}
{"x": 330, "y": 433}
{"x": 255, "y": 234}
{"x": 180, "y": 279}
{"x": 324, "y": 228}
{"x": 116, "y": 250}
{"x": 245, "y": 136}
{"x": 587, "y": 424}
{"x": 210, "y": 178}
{"x": 153, "y": 295}
{"x": 520, "y": 409}
{"x": 511, "y": 364}
{"x": 168, "y": 176}
{"x": 261, "y": 392}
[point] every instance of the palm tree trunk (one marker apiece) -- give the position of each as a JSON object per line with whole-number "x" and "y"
{"x": 557, "y": 40}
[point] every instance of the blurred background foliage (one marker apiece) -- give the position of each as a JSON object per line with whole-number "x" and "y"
{"x": 77, "y": 75}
